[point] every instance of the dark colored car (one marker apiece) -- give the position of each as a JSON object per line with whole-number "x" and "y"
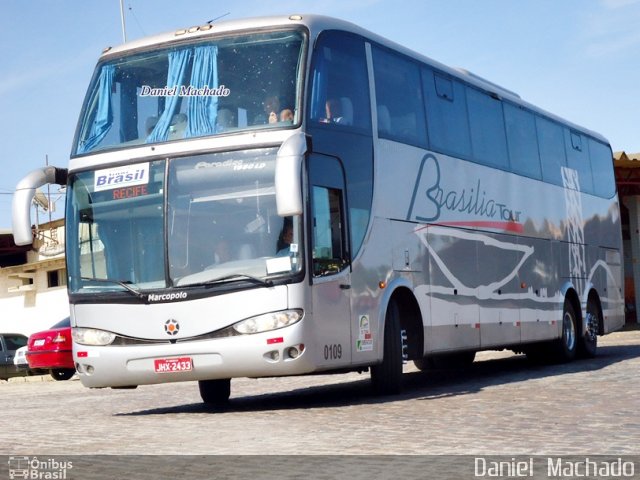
{"x": 9, "y": 343}
{"x": 50, "y": 350}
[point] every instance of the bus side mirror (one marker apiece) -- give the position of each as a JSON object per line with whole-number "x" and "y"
{"x": 23, "y": 197}
{"x": 288, "y": 175}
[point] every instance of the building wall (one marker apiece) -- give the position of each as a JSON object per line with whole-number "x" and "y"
{"x": 30, "y": 300}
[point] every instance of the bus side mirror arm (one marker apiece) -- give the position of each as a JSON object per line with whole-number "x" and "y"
{"x": 23, "y": 197}
{"x": 288, "y": 175}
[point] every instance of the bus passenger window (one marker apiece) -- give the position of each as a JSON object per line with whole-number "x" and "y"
{"x": 399, "y": 99}
{"x": 601, "y": 159}
{"x": 447, "y": 121}
{"x": 486, "y": 123}
{"x": 551, "y": 143}
{"x": 340, "y": 93}
{"x": 522, "y": 141}
{"x": 578, "y": 159}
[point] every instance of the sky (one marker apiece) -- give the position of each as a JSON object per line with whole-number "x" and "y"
{"x": 579, "y": 59}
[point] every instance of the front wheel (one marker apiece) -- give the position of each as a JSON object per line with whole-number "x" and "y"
{"x": 62, "y": 374}
{"x": 386, "y": 377}
{"x": 215, "y": 392}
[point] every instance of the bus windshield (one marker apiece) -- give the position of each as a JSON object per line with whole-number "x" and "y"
{"x": 229, "y": 84}
{"x": 200, "y": 220}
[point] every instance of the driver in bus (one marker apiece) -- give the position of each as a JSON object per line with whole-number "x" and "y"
{"x": 221, "y": 252}
{"x": 285, "y": 239}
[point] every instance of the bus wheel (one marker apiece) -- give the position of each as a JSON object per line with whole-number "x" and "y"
{"x": 215, "y": 392}
{"x": 423, "y": 364}
{"x": 62, "y": 373}
{"x": 588, "y": 341}
{"x": 566, "y": 345}
{"x": 386, "y": 377}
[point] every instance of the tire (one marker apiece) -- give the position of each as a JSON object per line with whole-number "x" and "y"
{"x": 62, "y": 374}
{"x": 386, "y": 377}
{"x": 565, "y": 348}
{"x": 423, "y": 364}
{"x": 215, "y": 392}
{"x": 588, "y": 340}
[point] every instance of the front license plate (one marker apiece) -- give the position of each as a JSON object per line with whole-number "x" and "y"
{"x": 171, "y": 365}
{"x": 39, "y": 342}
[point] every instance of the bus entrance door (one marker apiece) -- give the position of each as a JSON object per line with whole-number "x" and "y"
{"x": 331, "y": 267}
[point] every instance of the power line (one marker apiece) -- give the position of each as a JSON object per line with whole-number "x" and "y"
{"x": 135, "y": 17}
{"x": 218, "y": 18}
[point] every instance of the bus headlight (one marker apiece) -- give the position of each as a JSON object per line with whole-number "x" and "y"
{"x": 91, "y": 336}
{"x": 268, "y": 321}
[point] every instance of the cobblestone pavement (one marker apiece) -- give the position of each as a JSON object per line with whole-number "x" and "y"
{"x": 502, "y": 405}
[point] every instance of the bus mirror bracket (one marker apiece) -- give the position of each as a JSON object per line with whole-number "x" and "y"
{"x": 23, "y": 197}
{"x": 288, "y": 175}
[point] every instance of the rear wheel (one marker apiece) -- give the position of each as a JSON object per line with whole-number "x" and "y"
{"x": 386, "y": 377}
{"x": 62, "y": 373}
{"x": 215, "y": 392}
{"x": 566, "y": 346}
{"x": 588, "y": 341}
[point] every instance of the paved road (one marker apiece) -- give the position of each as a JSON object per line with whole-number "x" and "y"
{"x": 502, "y": 405}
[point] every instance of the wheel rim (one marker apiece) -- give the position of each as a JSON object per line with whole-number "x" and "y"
{"x": 569, "y": 331}
{"x": 592, "y": 326}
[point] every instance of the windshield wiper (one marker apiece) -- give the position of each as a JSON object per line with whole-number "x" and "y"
{"x": 239, "y": 276}
{"x": 126, "y": 284}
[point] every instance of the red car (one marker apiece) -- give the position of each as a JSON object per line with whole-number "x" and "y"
{"x": 50, "y": 350}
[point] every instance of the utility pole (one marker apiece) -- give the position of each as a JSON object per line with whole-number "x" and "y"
{"x": 46, "y": 161}
{"x": 124, "y": 27}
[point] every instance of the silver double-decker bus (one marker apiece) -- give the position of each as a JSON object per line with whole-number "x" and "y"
{"x": 292, "y": 195}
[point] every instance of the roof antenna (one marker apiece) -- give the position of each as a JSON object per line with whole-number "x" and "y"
{"x": 124, "y": 27}
{"x": 217, "y": 18}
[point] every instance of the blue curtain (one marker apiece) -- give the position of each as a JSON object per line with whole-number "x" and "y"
{"x": 202, "y": 110}
{"x": 178, "y": 61}
{"x": 104, "y": 112}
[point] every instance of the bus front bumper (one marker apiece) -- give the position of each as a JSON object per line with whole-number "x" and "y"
{"x": 275, "y": 353}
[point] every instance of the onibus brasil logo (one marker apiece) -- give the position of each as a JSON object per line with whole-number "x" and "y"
{"x": 35, "y": 468}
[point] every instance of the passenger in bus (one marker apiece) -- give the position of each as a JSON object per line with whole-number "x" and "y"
{"x": 177, "y": 127}
{"x": 338, "y": 110}
{"x": 286, "y": 116}
{"x": 271, "y": 106}
{"x": 149, "y": 124}
{"x": 225, "y": 120}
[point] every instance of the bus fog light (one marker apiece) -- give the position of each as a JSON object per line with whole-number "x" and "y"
{"x": 295, "y": 351}
{"x": 89, "y": 369}
{"x": 268, "y": 321}
{"x": 272, "y": 356}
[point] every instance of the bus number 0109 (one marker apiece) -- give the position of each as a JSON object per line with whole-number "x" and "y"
{"x": 332, "y": 352}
